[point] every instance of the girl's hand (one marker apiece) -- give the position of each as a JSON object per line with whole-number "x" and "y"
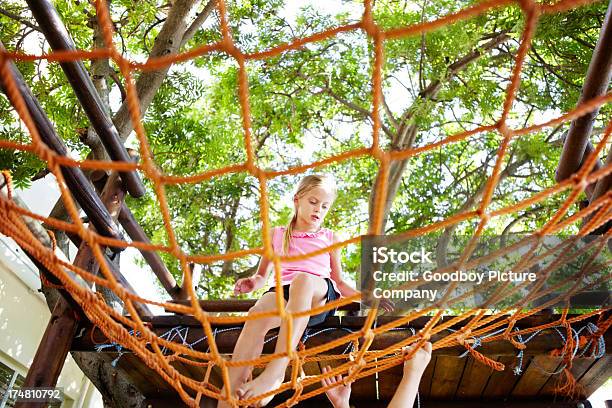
{"x": 385, "y": 304}
{"x": 246, "y": 285}
{"x": 417, "y": 364}
{"x": 338, "y": 395}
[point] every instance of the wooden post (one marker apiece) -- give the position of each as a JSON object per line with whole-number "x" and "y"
{"x": 52, "y": 350}
{"x": 595, "y": 84}
{"x": 51, "y": 25}
{"x": 77, "y": 183}
{"x": 112, "y": 197}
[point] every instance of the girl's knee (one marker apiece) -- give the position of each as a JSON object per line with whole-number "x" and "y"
{"x": 258, "y": 326}
{"x": 266, "y": 303}
{"x": 302, "y": 281}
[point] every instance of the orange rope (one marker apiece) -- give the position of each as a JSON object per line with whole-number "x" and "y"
{"x": 362, "y": 361}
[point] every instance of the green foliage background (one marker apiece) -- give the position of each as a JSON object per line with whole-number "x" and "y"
{"x": 308, "y": 105}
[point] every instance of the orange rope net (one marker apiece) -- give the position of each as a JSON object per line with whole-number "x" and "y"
{"x": 362, "y": 361}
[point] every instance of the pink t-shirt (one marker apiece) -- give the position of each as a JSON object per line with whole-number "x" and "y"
{"x": 304, "y": 243}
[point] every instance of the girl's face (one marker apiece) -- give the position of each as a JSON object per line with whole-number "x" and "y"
{"x": 312, "y": 207}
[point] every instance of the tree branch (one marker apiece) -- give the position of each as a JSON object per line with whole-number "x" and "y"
{"x": 353, "y": 106}
{"x": 198, "y": 22}
{"x": 19, "y": 19}
{"x": 405, "y": 136}
{"x": 167, "y": 42}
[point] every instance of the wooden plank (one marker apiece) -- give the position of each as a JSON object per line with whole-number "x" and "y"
{"x": 240, "y": 305}
{"x": 345, "y": 321}
{"x": 425, "y": 385}
{"x": 310, "y": 368}
{"x": 148, "y": 378}
{"x": 388, "y": 381}
{"x": 501, "y": 383}
{"x": 446, "y": 377}
{"x": 52, "y": 350}
{"x": 535, "y": 376}
{"x": 597, "y": 374}
{"x": 579, "y": 367}
{"x": 464, "y": 404}
{"x": 541, "y": 344}
{"x": 216, "y": 378}
{"x": 547, "y": 390}
{"x": 368, "y": 388}
{"x": 474, "y": 378}
{"x": 184, "y": 369}
{"x": 364, "y": 388}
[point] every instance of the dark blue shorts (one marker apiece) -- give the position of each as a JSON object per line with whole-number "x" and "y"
{"x": 320, "y": 318}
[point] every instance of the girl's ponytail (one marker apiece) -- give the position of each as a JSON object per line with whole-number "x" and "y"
{"x": 288, "y": 233}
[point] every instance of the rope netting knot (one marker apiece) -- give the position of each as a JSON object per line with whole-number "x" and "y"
{"x": 130, "y": 332}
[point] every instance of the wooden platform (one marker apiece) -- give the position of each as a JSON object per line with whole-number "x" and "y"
{"x": 448, "y": 377}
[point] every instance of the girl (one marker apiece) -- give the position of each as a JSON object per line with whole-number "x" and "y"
{"x": 308, "y": 283}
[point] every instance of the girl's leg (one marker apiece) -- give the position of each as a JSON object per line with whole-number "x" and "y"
{"x": 250, "y": 342}
{"x": 306, "y": 291}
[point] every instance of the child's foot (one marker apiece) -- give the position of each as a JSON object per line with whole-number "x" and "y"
{"x": 267, "y": 381}
{"x": 223, "y": 403}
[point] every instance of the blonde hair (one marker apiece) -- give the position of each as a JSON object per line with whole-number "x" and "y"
{"x": 306, "y": 184}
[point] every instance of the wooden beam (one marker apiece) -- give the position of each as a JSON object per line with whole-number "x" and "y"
{"x": 112, "y": 197}
{"x": 318, "y": 402}
{"x": 79, "y": 185}
{"x": 587, "y": 299}
{"x": 51, "y": 25}
{"x": 225, "y": 340}
{"x": 596, "y": 83}
{"x": 136, "y": 233}
{"x": 238, "y": 305}
{"x": 52, "y": 350}
{"x": 497, "y": 403}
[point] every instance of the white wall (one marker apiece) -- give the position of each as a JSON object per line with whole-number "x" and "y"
{"x": 23, "y": 318}
{"x": 23, "y": 312}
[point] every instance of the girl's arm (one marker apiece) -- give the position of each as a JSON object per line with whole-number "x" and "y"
{"x": 257, "y": 281}
{"x": 336, "y": 272}
{"x": 345, "y": 289}
{"x": 263, "y": 270}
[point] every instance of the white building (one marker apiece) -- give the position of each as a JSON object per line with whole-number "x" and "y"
{"x": 24, "y": 316}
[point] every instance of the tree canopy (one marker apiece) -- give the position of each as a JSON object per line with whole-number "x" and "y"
{"x": 312, "y": 103}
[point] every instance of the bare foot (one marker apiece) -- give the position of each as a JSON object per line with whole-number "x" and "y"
{"x": 267, "y": 381}
{"x": 223, "y": 403}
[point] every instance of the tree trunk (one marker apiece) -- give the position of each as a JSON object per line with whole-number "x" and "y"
{"x": 172, "y": 35}
{"x": 405, "y": 136}
{"x": 111, "y": 382}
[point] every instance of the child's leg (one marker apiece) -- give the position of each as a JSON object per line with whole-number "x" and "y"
{"x": 306, "y": 291}
{"x": 250, "y": 342}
